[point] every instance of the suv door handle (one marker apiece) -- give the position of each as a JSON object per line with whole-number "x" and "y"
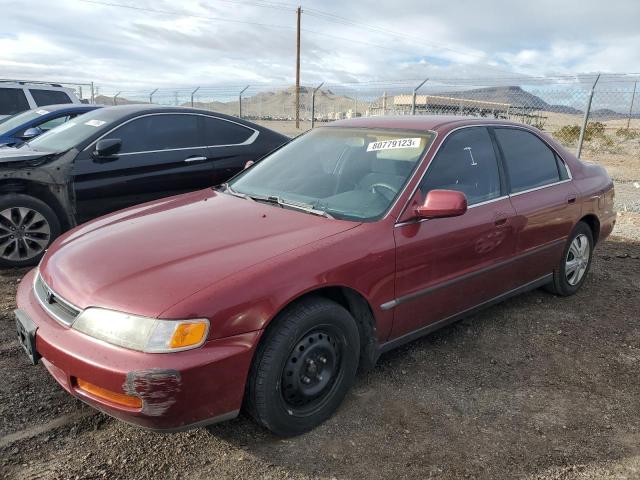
{"x": 195, "y": 159}
{"x": 572, "y": 198}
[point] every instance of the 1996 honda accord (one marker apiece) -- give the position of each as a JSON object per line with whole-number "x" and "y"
{"x": 270, "y": 291}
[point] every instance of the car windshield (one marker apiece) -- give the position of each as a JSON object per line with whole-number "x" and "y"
{"x": 19, "y": 119}
{"x": 73, "y": 132}
{"x": 346, "y": 173}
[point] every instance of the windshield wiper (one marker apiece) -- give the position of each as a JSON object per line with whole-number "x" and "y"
{"x": 300, "y": 206}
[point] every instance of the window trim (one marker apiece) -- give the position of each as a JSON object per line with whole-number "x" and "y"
{"x": 248, "y": 141}
{"x": 488, "y": 125}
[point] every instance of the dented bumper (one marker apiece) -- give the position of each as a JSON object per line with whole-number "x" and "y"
{"x": 177, "y": 390}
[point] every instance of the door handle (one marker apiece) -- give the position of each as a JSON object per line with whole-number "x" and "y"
{"x": 571, "y": 199}
{"x": 195, "y": 159}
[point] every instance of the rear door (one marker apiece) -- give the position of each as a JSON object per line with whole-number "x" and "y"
{"x": 544, "y": 199}
{"x": 230, "y": 146}
{"x": 448, "y": 265}
{"x": 161, "y": 155}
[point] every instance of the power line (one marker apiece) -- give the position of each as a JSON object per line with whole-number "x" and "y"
{"x": 182, "y": 14}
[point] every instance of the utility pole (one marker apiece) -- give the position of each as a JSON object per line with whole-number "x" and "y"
{"x": 299, "y": 14}
{"x": 633, "y": 97}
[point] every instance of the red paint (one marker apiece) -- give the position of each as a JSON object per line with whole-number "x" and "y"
{"x": 238, "y": 263}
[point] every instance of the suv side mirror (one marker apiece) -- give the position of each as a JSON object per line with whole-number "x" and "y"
{"x": 107, "y": 148}
{"x": 441, "y": 204}
{"x": 30, "y": 133}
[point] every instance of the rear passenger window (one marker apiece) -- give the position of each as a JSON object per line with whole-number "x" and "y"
{"x": 12, "y": 100}
{"x": 49, "y": 97}
{"x": 467, "y": 163}
{"x": 158, "y": 132}
{"x": 530, "y": 163}
{"x": 222, "y": 132}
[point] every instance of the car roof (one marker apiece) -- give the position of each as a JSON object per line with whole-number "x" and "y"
{"x": 68, "y": 107}
{"x": 418, "y": 122}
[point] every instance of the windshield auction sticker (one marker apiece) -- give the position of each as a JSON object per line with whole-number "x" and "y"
{"x": 393, "y": 144}
{"x": 95, "y": 123}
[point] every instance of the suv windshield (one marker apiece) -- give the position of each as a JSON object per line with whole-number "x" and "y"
{"x": 348, "y": 173}
{"x": 73, "y": 132}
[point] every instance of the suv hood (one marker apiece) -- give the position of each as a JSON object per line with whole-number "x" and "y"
{"x": 145, "y": 259}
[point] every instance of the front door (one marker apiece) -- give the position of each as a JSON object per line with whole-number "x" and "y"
{"x": 449, "y": 265}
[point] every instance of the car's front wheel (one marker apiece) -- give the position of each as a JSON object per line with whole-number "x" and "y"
{"x": 303, "y": 367}
{"x": 27, "y": 227}
{"x": 575, "y": 263}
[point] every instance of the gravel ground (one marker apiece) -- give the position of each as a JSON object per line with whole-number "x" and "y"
{"x": 536, "y": 387}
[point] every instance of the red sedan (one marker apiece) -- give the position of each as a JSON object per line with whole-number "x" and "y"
{"x": 270, "y": 291}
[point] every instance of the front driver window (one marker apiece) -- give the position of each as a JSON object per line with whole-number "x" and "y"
{"x": 467, "y": 163}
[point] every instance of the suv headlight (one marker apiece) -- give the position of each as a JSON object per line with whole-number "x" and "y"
{"x": 145, "y": 334}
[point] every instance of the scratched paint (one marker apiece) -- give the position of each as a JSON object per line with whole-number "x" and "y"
{"x": 156, "y": 387}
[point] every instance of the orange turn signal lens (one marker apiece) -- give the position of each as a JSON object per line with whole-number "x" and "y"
{"x": 114, "y": 397}
{"x": 188, "y": 333}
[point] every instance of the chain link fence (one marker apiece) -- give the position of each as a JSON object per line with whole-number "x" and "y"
{"x": 607, "y": 117}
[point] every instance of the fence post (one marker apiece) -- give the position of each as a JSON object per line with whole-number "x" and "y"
{"x": 384, "y": 103}
{"x": 586, "y": 118}
{"x": 115, "y": 98}
{"x": 415, "y": 91}
{"x": 151, "y": 95}
{"x": 313, "y": 104}
{"x": 240, "y": 101}
{"x": 192, "y": 94}
{"x": 633, "y": 97}
{"x": 93, "y": 97}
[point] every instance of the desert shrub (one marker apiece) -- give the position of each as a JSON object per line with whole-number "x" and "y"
{"x": 568, "y": 133}
{"x": 627, "y": 134}
{"x": 594, "y": 129}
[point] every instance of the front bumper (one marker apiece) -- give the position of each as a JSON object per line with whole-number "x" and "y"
{"x": 178, "y": 390}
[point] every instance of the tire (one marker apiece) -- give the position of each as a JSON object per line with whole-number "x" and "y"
{"x": 27, "y": 228}
{"x": 304, "y": 367}
{"x": 568, "y": 281}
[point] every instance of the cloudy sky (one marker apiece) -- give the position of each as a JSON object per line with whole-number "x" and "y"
{"x": 214, "y": 42}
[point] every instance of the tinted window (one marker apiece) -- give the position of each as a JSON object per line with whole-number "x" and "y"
{"x": 158, "y": 132}
{"x": 221, "y": 132}
{"x": 12, "y": 100}
{"x": 49, "y": 97}
{"x": 467, "y": 163}
{"x": 530, "y": 163}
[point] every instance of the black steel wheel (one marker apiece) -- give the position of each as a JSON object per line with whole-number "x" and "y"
{"x": 304, "y": 366}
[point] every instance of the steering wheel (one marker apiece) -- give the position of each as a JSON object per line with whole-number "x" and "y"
{"x": 384, "y": 189}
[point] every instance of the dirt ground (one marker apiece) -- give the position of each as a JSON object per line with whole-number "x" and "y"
{"x": 538, "y": 387}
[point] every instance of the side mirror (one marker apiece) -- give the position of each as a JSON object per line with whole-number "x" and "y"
{"x": 30, "y": 133}
{"x": 442, "y": 203}
{"x": 107, "y": 148}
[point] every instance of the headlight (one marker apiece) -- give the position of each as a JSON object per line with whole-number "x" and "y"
{"x": 142, "y": 333}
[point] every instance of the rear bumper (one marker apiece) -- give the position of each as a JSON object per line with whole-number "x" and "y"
{"x": 178, "y": 390}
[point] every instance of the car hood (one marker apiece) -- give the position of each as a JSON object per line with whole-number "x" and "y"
{"x": 147, "y": 258}
{"x": 9, "y": 155}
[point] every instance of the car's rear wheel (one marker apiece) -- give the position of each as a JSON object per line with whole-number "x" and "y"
{"x": 303, "y": 367}
{"x": 27, "y": 227}
{"x": 572, "y": 271}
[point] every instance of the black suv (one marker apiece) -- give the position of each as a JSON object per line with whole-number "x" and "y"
{"x": 112, "y": 158}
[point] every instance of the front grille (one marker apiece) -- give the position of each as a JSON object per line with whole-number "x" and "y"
{"x": 57, "y": 307}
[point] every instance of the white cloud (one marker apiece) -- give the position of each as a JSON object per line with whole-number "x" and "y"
{"x": 70, "y": 40}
